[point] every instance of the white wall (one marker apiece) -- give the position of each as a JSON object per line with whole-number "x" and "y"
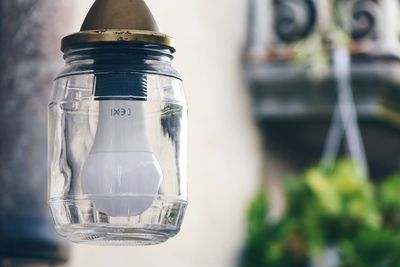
{"x": 224, "y": 156}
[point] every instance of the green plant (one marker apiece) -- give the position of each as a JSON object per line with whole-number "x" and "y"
{"x": 335, "y": 208}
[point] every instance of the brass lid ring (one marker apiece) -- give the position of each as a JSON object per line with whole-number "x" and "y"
{"x": 118, "y": 35}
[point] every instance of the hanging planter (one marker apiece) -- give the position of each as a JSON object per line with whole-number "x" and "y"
{"x": 339, "y": 205}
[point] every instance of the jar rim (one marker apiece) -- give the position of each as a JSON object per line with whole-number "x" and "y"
{"x": 118, "y": 36}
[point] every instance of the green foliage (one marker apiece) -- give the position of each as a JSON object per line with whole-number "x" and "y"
{"x": 338, "y": 208}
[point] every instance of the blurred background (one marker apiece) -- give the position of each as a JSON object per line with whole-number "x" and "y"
{"x": 293, "y": 149}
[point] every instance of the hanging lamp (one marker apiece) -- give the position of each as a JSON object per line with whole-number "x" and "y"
{"x": 117, "y": 131}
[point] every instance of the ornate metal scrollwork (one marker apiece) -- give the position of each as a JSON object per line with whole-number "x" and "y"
{"x": 363, "y": 18}
{"x": 294, "y": 19}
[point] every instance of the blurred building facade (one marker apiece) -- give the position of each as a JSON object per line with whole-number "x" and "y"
{"x": 224, "y": 156}
{"x": 288, "y": 65}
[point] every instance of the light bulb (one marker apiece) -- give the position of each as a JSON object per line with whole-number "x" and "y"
{"x": 121, "y": 175}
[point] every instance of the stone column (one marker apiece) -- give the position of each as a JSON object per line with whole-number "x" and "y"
{"x": 30, "y": 33}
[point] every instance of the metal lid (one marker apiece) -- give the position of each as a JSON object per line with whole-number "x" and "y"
{"x": 119, "y": 21}
{"x": 118, "y": 35}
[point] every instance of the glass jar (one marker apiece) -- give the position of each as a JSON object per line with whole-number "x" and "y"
{"x": 117, "y": 145}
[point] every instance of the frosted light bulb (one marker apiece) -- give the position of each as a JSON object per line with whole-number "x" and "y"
{"x": 121, "y": 174}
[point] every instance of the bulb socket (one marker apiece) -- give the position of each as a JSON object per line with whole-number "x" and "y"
{"x": 113, "y": 86}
